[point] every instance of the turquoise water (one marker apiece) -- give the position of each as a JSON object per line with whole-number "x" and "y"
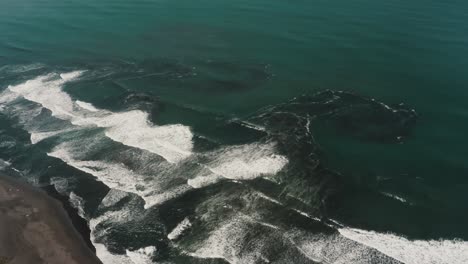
{"x": 203, "y": 66}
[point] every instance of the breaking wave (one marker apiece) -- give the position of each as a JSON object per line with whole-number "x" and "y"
{"x": 411, "y": 251}
{"x": 131, "y": 128}
{"x": 174, "y": 193}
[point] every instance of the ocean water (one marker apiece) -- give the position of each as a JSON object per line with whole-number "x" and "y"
{"x": 244, "y": 131}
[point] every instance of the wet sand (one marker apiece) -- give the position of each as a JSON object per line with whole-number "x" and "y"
{"x": 34, "y": 228}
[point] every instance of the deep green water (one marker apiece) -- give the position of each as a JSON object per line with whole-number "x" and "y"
{"x": 205, "y": 63}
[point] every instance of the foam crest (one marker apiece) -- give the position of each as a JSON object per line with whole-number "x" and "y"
{"x": 247, "y": 162}
{"x": 7, "y": 96}
{"x": 228, "y": 241}
{"x": 166, "y": 195}
{"x": 70, "y": 76}
{"x": 334, "y": 248}
{"x": 132, "y": 128}
{"x": 37, "y": 137}
{"x": 102, "y": 252}
{"x": 225, "y": 243}
{"x": 142, "y": 255}
{"x": 87, "y": 106}
{"x": 139, "y": 256}
{"x": 4, "y": 164}
{"x": 11, "y": 104}
{"x": 172, "y": 142}
{"x": 112, "y": 198}
{"x": 100, "y": 169}
{"x": 242, "y": 162}
{"x": 203, "y": 181}
{"x": 179, "y": 229}
{"x": 394, "y": 196}
{"x": 115, "y": 176}
{"x": 47, "y": 91}
{"x": 108, "y": 258}
{"x": 239, "y": 169}
{"x": 239, "y": 240}
{"x": 118, "y": 176}
{"x": 78, "y": 203}
{"x": 60, "y": 184}
{"x": 115, "y": 217}
{"x": 411, "y": 251}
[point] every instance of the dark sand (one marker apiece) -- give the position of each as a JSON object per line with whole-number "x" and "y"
{"x": 34, "y": 228}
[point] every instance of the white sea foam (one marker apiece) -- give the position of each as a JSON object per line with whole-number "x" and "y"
{"x": 4, "y": 164}
{"x": 166, "y": 195}
{"x": 203, "y": 181}
{"x": 86, "y": 106}
{"x": 142, "y": 255}
{"x": 252, "y": 126}
{"x": 334, "y": 248}
{"x": 172, "y": 142}
{"x": 242, "y": 162}
{"x": 394, "y": 196}
{"x": 118, "y": 176}
{"x": 139, "y": 256}
{"x": 110, "y": 174}
{"x": 78, "y": 203}
{"x": 113, "y": 175}
{"x": 102, "y": 252}
{"x": 229, "y": 240}
{"x": 132, "y": 128}
{"x": 60, "y": 184}
{"x": 247, "y": 162}
{"x": 112, "y": 198}
{"x": 108, "y": 258}
{"x": 14, "y": 107}
{"x": 7, "y": 96}
{"x": 307, "y": 215}
{"x": 152, "y": 189}
{"x": 115, "y": 216}
{"x": 269, "y": 198}
{"x": 46, "y": 90}
{"x": 37, "y": 137}
{"x": 226, "y": 243}
{"x": 239, "y": 169}
{"x": 112, "y": 217}
{"x": 239, "y": 240}
{"x": 411, "y": 251}
{"x": 70, "y": 76}
{"x": 179, "y": 229}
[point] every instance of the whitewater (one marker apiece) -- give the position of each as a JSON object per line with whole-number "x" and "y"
{"x": 163, "y": 151}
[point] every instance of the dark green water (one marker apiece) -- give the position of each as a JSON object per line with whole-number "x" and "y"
{"x": 199, "y": 70}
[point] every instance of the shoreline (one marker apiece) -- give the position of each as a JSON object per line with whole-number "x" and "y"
{"x": 35, "y": 228}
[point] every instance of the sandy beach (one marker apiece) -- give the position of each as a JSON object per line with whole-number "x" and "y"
{"x": 34, "y": 228}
